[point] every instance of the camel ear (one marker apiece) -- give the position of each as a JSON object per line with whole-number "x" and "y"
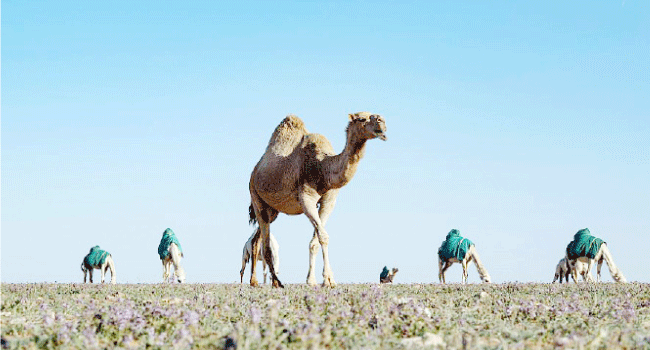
{"x": 351, "y": 116}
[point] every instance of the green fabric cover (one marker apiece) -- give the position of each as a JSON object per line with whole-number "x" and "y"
{"x": 168, "y": 238}
{"x": 454, "y": 246}
{"x": 96, "y": 256}
{"x": 583, "y": 244}
{"x": 384, "y": 273}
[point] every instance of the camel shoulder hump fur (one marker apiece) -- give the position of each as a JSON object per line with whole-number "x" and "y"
{"x": 287, "y": 136}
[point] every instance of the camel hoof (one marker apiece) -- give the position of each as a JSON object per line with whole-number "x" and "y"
{"x": 254, "y": 283}
{"x": 277, "y": 284}
{"x": 329, "y": 282}
{"x": 312, "y": 282}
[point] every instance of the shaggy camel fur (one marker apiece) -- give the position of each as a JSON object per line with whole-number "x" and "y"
{"x": 300, "y": 173}
{"x": 603, "y": 255}
{"x": 470, "y": 256}
{"x": 87, "y": 269}
{"x": 248, "y": 253}
{"x": 173, "y": 258}
{"x": 389, "y": 277}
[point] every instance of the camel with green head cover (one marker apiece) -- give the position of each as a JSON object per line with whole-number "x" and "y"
{"x": 457, "y": 249}
{"x": 98, "y": 259}
{"x": 589, "y": 250}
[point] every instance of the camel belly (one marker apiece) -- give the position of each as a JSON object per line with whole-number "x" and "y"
{"x": 283, "y": 202}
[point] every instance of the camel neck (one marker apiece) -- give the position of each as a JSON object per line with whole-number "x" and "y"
{"x": 344, "y": 165}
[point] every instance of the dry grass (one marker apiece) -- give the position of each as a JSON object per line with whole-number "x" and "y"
{"x": 526, "y": 316}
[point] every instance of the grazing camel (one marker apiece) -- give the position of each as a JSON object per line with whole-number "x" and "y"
{"x": 456, "y": 249}
{"x": 300, "y": 173}
{"x": 562, "y": 271}
{"x": 248, "y": 253}
{"x": 170, "y": 252}
{"x": 588, "y": 249}
{"x": 386, "y": 276}
{"x": 98, "y": 259}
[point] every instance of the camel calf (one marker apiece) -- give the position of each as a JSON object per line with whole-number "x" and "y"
{"x": 562, "y": 271}
{"x": 98, "y": 259}
{"x": 247, "y": 255}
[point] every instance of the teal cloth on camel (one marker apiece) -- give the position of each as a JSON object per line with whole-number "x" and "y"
{"x": 168, "y": 238}
{"x": 384, "y": 273}
{"x": 454, "y": 246}
{"x": 583, "y": 244}
{"x": 96, "y": 256}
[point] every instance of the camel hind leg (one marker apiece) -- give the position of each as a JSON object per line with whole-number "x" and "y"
{"x": 443, "y": 270}
{"x": 166, "y": 269}
{"x": 613, "y": 270}
{"x": 264, "y": 215}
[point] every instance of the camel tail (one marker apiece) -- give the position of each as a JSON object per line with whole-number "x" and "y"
{"x": 252, "y": 219}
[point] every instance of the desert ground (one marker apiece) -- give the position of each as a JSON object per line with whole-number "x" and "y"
{"x": 359, "y": 316}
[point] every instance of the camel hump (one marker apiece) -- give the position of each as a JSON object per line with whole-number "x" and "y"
{"x": 292, "y": 121}
{"x": 287, "y": 135}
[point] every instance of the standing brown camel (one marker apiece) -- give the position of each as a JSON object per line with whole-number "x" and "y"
{"x": 300, "y": 173}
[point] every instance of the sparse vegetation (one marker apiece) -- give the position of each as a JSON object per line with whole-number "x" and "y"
{"x": 348, "y": 316}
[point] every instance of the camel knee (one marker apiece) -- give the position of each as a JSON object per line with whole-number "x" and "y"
{"x": 323, "y": 238}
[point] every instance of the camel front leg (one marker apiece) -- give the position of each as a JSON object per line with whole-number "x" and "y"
{"x": 102, "y": 269}
{"x": 327, "y": 203}
{"x": 313, "y": 249}
{"x": 587, "y": 272}
{"x": 613, "y": 270}
{"x": 464, "y": 263}
{"x": 573, "y": 269}
{"x": 309, "y": 201}
{"x": 599, "y": 266}
{"x": 111, "y": 266}
{"x": 175, "y": 254}
{"x": 441, "y": 276}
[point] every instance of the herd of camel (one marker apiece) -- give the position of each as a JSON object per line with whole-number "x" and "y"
{"x": 299, "y": 173}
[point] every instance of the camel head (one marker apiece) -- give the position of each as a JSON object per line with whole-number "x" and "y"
{"x": 367, "y": 125}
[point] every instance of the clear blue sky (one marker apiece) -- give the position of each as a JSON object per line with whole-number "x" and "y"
{"x": 517, "y": 123}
